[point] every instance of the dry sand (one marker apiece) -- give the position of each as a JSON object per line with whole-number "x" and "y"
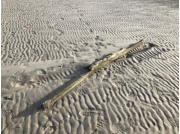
{"x": 47, "y": 43}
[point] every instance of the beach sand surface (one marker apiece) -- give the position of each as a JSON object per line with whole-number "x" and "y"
{"x": 46, "y": 44}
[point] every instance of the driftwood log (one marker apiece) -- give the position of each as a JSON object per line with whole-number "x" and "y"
{"x": 93, "y": 68}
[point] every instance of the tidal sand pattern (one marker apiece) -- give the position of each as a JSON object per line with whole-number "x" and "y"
{"x": 47, "y": 44}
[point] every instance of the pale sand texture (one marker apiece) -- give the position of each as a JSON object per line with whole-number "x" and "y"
{"x": 47, "y": 44}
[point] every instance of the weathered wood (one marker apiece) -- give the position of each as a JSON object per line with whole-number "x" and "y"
{"x": 97, "y": 65}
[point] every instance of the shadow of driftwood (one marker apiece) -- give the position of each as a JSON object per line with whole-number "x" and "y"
{"x": 36, "y": 106}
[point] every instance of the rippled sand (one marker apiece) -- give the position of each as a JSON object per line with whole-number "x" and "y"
{"x": 46, "y": 44}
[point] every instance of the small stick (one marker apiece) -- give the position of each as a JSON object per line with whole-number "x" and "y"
{"x": 93, "y": 69}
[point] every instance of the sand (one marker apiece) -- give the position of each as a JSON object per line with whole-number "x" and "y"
{"x": 46, "y": 44}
